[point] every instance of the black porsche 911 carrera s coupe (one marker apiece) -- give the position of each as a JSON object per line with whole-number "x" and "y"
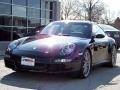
{"x": 67, "y": 46}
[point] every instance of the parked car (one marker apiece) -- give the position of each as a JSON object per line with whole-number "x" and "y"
{"x": 112, "y": 32}
{"x": 35, "y": 31}
{"x": 68, "y": 46}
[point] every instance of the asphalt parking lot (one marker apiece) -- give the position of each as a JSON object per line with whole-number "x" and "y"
{"x": 101, "y": 78}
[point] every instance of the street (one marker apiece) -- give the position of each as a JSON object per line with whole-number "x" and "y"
{"x": 101, "y": 78}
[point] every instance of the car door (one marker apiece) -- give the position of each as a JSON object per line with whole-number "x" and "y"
{"x": 100, "y": 46}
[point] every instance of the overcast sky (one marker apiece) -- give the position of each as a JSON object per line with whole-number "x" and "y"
{"x": 113, "y": 6}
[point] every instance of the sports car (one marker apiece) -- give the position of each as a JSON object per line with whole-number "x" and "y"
{"x": 68, "y": 46}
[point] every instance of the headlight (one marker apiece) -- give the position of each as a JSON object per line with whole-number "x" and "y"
{"x": 68, "y": 49}
{"x": 13, "y": 45}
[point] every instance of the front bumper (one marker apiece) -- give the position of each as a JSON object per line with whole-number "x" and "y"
{"x": 42, "y": 65}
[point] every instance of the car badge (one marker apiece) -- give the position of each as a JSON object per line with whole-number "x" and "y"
{"x": 34, "y": 48}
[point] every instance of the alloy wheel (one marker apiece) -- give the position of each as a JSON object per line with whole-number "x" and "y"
{"x": 86, "y": 64}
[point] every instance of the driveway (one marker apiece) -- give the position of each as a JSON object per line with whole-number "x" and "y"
{"x": 101, "y": 78}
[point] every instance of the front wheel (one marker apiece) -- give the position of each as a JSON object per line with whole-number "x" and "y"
{"x": 85, "y": 66}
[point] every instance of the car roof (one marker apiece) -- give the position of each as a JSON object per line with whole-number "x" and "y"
{"x": 108, "y": 27}
{"x": 77, "y": 21}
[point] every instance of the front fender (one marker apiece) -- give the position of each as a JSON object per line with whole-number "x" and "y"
{"x": 83, "y": 47}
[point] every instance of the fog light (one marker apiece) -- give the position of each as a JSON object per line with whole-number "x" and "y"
{"x": 63, "y": 60}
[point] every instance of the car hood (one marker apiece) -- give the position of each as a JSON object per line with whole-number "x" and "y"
{"x": 46, "y": 44}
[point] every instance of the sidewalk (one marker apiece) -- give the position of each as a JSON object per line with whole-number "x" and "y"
{"x": 3, "y": 46}
{"x": 1, "y": 57}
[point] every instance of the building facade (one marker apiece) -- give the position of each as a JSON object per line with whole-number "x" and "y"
{"x": 19, "y": 17}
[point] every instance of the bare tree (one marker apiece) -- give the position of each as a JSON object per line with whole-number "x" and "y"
{"x": 70, "y": 9}
{"x": 93, "y": 8}
{"x": 108, "y": 17}
{"x": 86, "y": 9}
{"x": 97, "y": 13}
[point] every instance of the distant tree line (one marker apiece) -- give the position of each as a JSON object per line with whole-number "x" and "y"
{"x": 92, "y": 10}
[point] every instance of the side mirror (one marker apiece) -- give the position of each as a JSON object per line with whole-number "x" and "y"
{"x": 99, "y": 36}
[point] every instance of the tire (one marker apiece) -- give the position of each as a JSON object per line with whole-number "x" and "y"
{"x": 85, "y": 64}
{"x": 85, "y": 67}
{"x": 113, "y": 57}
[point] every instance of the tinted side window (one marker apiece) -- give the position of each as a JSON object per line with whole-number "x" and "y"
{"x": 19, "y": 2}
{"x": 5, "y": 1}
{"x": 5, "y": 9}
{"x": 34, "y": 3}
{"x": 97, "y": 30}
{"x": 33, "y": 12}
{"x": 19, "y": 11}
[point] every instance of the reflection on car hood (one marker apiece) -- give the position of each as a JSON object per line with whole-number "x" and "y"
{"x": 53, "y": 42}
{"x": 48, "y": 45}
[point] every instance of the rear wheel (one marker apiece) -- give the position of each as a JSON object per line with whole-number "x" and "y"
{"x": 113, "y": 57}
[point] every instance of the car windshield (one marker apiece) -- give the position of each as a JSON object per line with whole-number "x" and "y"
{"x": 108, "y": 27}
{"x": 76, "y": 29}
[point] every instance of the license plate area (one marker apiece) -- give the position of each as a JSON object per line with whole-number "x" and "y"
{"x": 27, "y": 61}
